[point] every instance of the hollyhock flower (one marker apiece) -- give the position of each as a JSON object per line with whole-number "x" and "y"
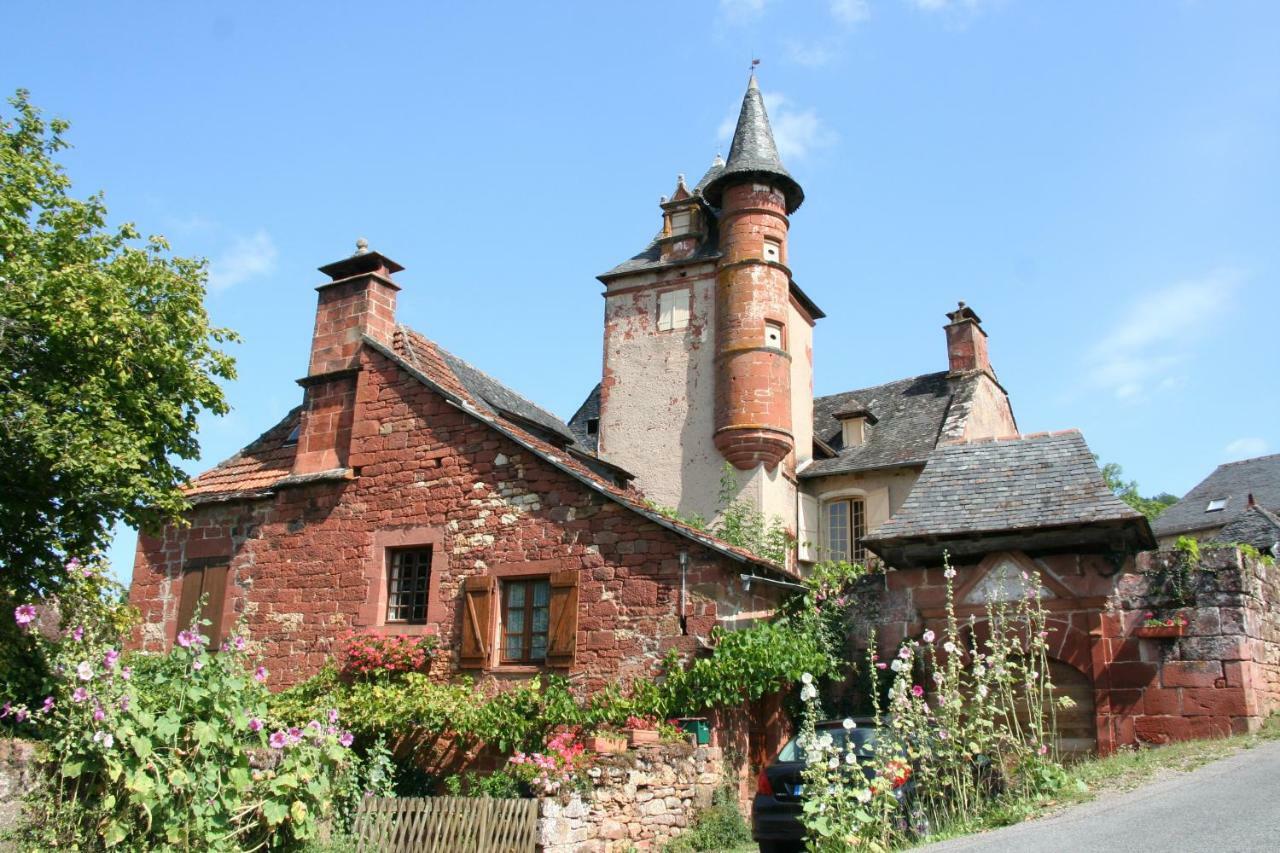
{"x": 850, "y": 758}
{"x": 295, "y": 735}
{"x": 917, "y": 691}
{"x": 237, "y": 643}
{"x": 331, "y": 730}
{"x": 255, "y": 725}
{"x": 882, "y": 665}
{"x": 278, "y": 739}
{"x": 806, "y": 679}
{"x": 942, "y": 734}
{"x": 80, "y": 695}
{"x": 1043, "y": 749}
{"x": 105, "y": 738}
{"x": 84, "y": 671}
{"x": 21, "y": 715}
{"x": 904, "y": 652}
{"x": 808, "y": 692}
{"x": 98, "y": 714}
{"x": 928, "y": 636}
{"x": 260, "y": 674}
{"x": 185, "y": 639}
{"x": 949, "y": 647}
{"x": 5, "y": 710}
{"x": 197, "y": 664}
{"x": 949, "y": 573}
{"x": 24, "y": 615}
{"x": 110, "y": 658}
{"x": 124, "y": 703}
{"x": 333, "y": 715}
{"x": 346, "y": 739}
{"x": 126, "y": 672}
{"x": 896, "y": 666}
{"x": 982, "y": 691}
{"x": 78, "y": 633}
{"x": 849, "y": 723}
{"x": 833, "y": 763}
{"x": 864, "y": 796}
{"x": 47, "y": 706}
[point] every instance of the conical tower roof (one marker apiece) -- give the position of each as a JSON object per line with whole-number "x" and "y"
{"x": 754, "y": 155}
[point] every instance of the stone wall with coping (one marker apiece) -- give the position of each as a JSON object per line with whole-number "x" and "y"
{"x": 639, "y": 800}
{"x": 17, "y": 775}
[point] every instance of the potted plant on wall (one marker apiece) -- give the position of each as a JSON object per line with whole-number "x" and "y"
{"x": 641, "y": 731}
{"x": 1154, "y": 627}
{"x": 607, "y": 740}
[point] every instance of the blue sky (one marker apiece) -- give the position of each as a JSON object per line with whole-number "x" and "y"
{"x": 1099, "y": 180}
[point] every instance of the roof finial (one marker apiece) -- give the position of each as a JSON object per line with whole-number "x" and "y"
{"x": 680, "y": 178}
{"x": 362, "y": 246}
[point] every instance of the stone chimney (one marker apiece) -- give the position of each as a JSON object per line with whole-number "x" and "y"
{"x": 966, "y": 342}
{"x": 359, "y": 300}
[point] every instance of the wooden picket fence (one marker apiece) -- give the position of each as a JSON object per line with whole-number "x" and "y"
{"x": 446, "y": 824}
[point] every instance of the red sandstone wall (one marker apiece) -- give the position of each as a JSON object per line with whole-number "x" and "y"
{"x": 302, "y": 561}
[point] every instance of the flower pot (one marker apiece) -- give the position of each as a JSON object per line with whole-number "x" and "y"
{"x": 607, "y": 744}
{"x": 1160, "y": 631}
{"x": 642, "y": 737}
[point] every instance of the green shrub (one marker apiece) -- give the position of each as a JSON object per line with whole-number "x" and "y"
{"x": 717, "y": 827}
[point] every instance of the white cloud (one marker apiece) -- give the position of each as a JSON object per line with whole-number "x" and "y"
{"x": 944, "y": 5}
{"x": 809, "y": 54}
{"x": 850, "y": 12}
{"x": 797, "y": 131}
{"x": 245, "y": 258}
{"x": 742, "y": 11}
{"x": 1157, "y": 335}
{"x": 1244, "y": 448}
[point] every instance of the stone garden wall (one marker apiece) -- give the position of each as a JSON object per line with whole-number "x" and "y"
{"x": 17, "y": 773}
{"x": 639, "y": 800}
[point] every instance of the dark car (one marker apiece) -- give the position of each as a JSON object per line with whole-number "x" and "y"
{"x": 775, "y": 813}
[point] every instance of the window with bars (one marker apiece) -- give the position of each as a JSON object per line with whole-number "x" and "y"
{"x": 846, "y": 527}
{"x": 526, "y": 617}
{"x": 408, "y": 580}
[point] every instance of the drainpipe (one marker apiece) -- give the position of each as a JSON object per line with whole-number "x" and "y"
{"x": 684, "y": 568}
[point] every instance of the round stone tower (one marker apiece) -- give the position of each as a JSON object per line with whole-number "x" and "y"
{"x": 755, "y": 195}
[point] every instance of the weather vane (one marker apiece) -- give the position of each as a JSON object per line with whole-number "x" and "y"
{"x": 754, "y": 63}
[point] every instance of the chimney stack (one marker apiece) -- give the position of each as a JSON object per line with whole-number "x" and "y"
{"x": 359, "y": 300}
{"x": 966, "y": 342}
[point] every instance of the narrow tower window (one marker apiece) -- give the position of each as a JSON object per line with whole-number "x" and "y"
{"x": 673, "y": 310}
{"x": 773, "y": 335}
{"x": 773, "y": 251}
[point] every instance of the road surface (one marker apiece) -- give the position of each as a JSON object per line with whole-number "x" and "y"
{"x": 1228, "y": 806}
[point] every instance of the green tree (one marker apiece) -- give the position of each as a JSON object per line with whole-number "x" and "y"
{"x": 107, "y": 358}
{"x": 1127, "y": 491}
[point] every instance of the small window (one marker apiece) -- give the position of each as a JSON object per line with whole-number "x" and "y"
{"x": 1216, "y": 505}
{"x": 673, "y": 310}
{"x": 408, "y": 579}
{"x": 593, "y": 426}
{"x": 207, "y": 578}
{"x": 773, "y": 335}
{"x": 681, "y": 221}
{"x": 526, "y": 618}
{"x": 293, "y": 435}
{"x": 846, "y": 527}
{"x": 773, "y": 251}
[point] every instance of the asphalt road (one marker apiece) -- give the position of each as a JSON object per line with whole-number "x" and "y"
{"x": 1229, "y": 806}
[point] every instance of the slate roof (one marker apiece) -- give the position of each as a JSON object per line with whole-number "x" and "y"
{"x": 265, "y": 464}
{"x": 1255, "y": 526}
{"x": 754, "y": 154}
{"x": 910, "y": 417}
{"x": 1234, "y": 481}
{"x": 589, "y": 409}
{"x": 1042, "y": 480}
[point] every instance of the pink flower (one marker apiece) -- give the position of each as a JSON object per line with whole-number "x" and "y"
{"x": 260, "y": 674}
{"x": 80, "y": 695}
{"x": 928, "y": 636}
{"x": 917, "y": 691}
{"x": 197, "y": 664}
{"x": 255, "y": 725}
{"x": 126, "y": 672}
{"x": 278, "y": 739}
{"x": 1043, "y": 749}
{"x": 78, "y": 633}
{"x": 185, "y": 639}
{"x": 333, "y": 715}
{"x": 110, "y": 658}
{"x": 99, "y": 715}
{"x": 237, "y": 643}
{"x": 346, "y": 739}
{"x": 882, "y": 665}
{"x": 904, "y": 653}
{"x": 124, "y": 703}
{"x": 48, "y": 705}
{"x": 25, "y": 614}
{"x": 295, "y": 735}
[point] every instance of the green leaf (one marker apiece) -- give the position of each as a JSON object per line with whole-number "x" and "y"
{"x": 275, "y": 812}
{"x": 72, "y": 769}
{"x": 141, "y": 746}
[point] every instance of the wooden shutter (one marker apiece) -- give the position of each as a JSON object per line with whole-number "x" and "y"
{"x": 215, "y": 593}
{"x": 808, "y": 513}
{"x": 192, "y": 580}
{"x": 562, "y": 638}
{"x": 479, "y": 601}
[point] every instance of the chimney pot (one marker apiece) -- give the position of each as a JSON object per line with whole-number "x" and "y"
{"x": 966, "y": 341}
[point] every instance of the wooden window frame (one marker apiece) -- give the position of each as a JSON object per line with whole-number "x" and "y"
{"x": 529, "y": 584}
{"x": 425, "y": 556}
{"x": 217, "y": 608}
{"x": 373, "y": 612}
{"x": 856, "y": 527}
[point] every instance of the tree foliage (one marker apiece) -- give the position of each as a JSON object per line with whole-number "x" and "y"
{"x": 107, "y": 358}
{"x": 1127, "y": 491}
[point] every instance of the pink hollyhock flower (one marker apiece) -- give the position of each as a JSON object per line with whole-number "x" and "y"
{"x": 99, "y": 715}
{"x": 346, "y": 739}
{"x": 260, "y": 674}
{"x": 295, "y": 735}
{"x": 5, "y": 710}
{"x": 197, "y": 664}
{"x": 126, "y": 672}
{"x": 255, "y": 725}
{"x": 110, "y": 658}
{"x": 949, "y": 573}
{"x": 25, "y": 614}
{"x": 278, "y": 739}
{"x": 1043, "y": 749}
{"x": 928, "y": 636}
{"x": 124, "y": 703}
{"x": 48, "y": 705}
{"x": 238, "y": 644}
{"x": 917, "y": 691}
{"x": 80, "y": 695}
{"x": 78, "y": 633}
{"x": 904, "y": 652}
{"x": 185, "y": 639}
{"x": 882, "y": 665}
{"x": 333, "y": 715}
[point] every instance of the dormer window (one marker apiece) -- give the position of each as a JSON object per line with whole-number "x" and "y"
{"x": 855, "y": 422}
{"x": 773, "y": 336}
{"x": 773, "y": 251}
{"x": 593, "y": 426}
{"x": 1216, "y": 505}
{"x": 681, "y": 222}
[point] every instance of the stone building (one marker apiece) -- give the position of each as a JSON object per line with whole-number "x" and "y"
{"x": 411, "y": 493}
{"x": 1239, "y": 503}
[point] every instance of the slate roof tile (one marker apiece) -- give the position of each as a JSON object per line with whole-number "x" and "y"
{"x": 1234, "y": 481}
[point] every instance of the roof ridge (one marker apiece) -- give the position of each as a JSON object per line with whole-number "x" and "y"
{"x": 1250, "y": 459}
{"x": 1025, "y": 436}
{"x": 883, "y": 384}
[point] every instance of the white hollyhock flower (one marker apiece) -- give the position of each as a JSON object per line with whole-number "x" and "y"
{"x": 806, "y": 679}
{"x": 896, "y": 666}
{"x": 864, "y": 796}
{"x": 849, "y": 723}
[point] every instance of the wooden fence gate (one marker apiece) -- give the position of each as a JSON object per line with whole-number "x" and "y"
{"x": 446, "y": 824}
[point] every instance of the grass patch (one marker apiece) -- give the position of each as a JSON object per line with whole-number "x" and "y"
{"x": 1127, "y": 769}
